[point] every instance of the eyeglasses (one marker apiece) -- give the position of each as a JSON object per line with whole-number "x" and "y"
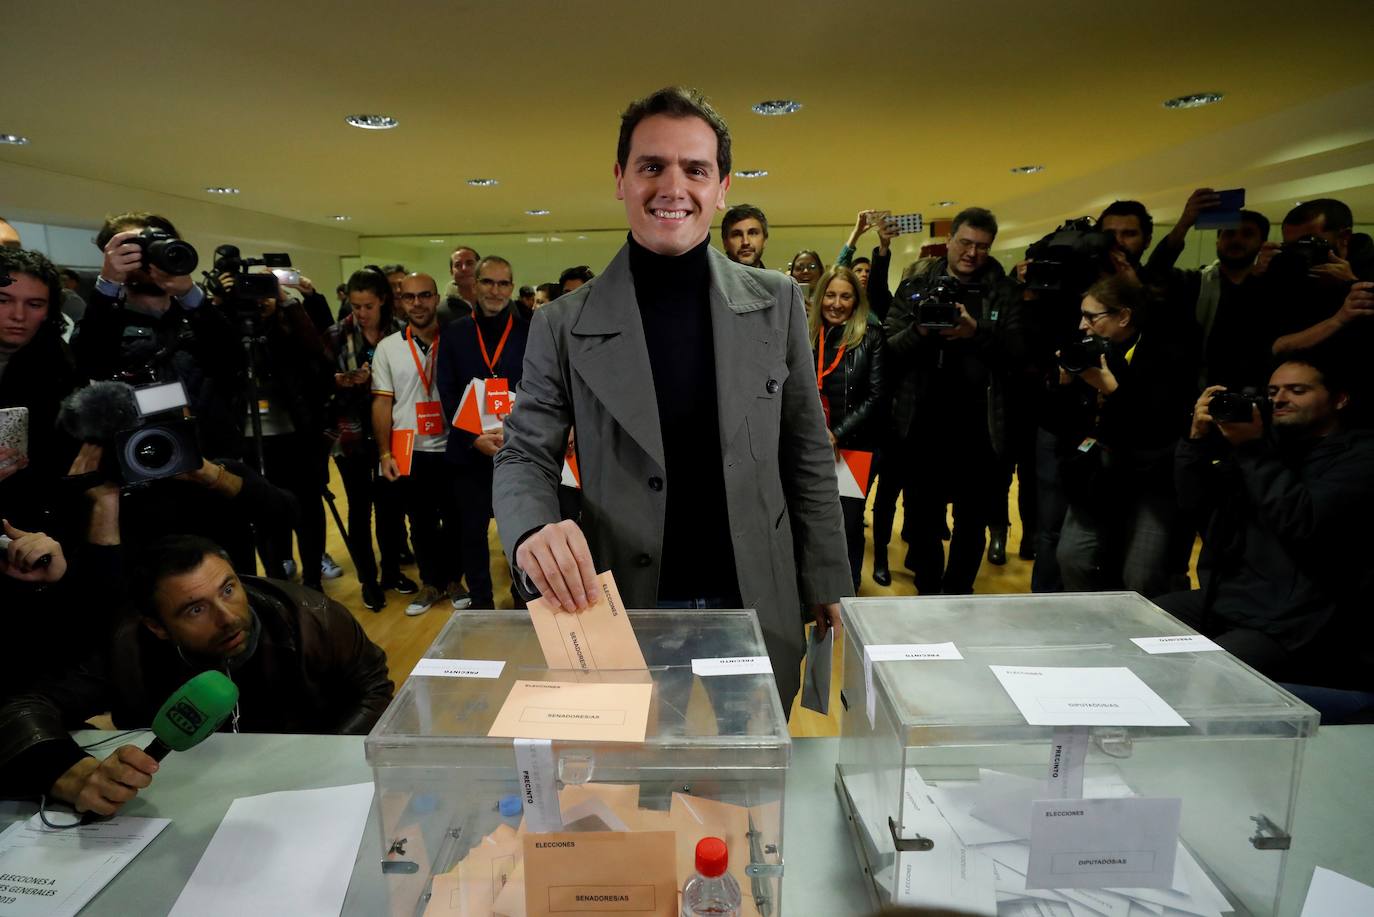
{"x": 981, "y": 248}
{"x": 423, "y": 296}
{"x": 491, "y": 282}
{"x": 1092, "y": 317}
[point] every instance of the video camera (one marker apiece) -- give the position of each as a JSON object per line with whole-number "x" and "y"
{"x": 165, "y": 251}
{"x": 1235, "y": 407}
{"x": 1069, "y": 259}
{"x": 937, "y": 306}
{"x": 144, "y": 431}
{"x": 243, "y": 291}
{"x": 1087, "y": 353}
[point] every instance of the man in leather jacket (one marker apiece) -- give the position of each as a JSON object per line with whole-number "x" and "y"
{"x": 302, "y": 664}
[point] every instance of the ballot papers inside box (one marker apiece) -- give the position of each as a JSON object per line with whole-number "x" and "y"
{"x": 464, "y": 779}
{"x": 1017, "y": 755}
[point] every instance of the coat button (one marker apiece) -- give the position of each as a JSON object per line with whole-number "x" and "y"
{"x": 655, "y": 483}
{"x": 644, "y": 560}
{"x": 772, "y": 386}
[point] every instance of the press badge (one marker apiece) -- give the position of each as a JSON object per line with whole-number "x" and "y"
{"x": 497, "y": 397}
{"x": 429, "y": 418}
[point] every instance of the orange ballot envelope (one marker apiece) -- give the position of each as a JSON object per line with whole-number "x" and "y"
{"x": 578, "y": 712}
{"x": 601, "y": 874}
{"x": 599, "y": 638}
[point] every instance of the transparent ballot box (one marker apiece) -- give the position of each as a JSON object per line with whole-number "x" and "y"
{"x": 951, "y": 792}
{"x": 450, "y": 798}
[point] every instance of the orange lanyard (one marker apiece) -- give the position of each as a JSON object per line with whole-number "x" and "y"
{"x": 820, "y": 358}
{"x": 425, "y": 378}
{"x": 493, "y": 360}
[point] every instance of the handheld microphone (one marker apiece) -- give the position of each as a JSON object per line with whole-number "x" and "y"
{"x": 192, "y": 714}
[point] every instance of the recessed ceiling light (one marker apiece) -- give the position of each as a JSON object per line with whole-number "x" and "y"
{"x": 538, "y": 212}
{"x": 483, "y": 182}
{"x": 436, "y": 241}
{"x": 1027, "y": 170}
{"x": 14, "y": 139}
{"x": 372, "y": 122}
{"x": 778, "y": 107}
{"x": 1196, "y": 100}
{"x": 944, "y": 203}
{"x": 221, "y": 190}
{"x": 341, "y": 217}
{"x": 751, "y": 173}
{"x": 582, "y": 238}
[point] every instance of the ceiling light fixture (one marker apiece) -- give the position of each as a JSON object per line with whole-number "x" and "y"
{"x": 778, "y": 107}
{"x": 944, "y": 203}
{"x": 436, "y": 241}
{"x": 1027, "y": 170}
{"x": 1196, "y": 100}
{"x": 538, "y": 212}
{"x": 483, "y": 182}
{"x": 14, "y": 139}
{"x": 372, "y": 122}
{"x": 221, "y": 190}
{"x": 341, "y": 217}
{"x": 751, "y": 173}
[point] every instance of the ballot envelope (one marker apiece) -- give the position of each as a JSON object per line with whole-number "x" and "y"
{"x": 1062, "y": 753}
{"x": 486, "y": 747}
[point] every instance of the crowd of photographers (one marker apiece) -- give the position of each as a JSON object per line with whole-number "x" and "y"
{"x": 1138, "y": 405}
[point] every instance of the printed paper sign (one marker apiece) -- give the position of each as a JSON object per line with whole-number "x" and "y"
{"x": 536, "y": 775}
{"x": 459, "y": 668}
{"x": 564, "y": 710}
{"x": 1064, "y": 696}
{"x": 732, "y": 665}
{"x": 1103, "y": 843}
{"x": 1182, "y": 643}
{"x": 888, "y": 652}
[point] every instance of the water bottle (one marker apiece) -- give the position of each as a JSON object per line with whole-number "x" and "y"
{"x": 712, "y": 891}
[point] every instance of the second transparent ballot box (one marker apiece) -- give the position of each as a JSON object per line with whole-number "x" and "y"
{"x": 713, "y": 761}
{"x": 950, "y": 789}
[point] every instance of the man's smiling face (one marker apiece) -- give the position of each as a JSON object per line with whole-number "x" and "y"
{"x": 671, "y": 184}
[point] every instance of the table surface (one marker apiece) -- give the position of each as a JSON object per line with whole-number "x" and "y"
{"x": 1333, "y": 829}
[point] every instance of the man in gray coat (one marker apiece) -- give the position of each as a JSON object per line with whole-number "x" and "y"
{"x": 707, "y": 477}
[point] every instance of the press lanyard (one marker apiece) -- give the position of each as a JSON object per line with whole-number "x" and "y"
{"x": 491, "y": 361}
{"x": 429, "y": 358}
{"x": 820, "y": 358}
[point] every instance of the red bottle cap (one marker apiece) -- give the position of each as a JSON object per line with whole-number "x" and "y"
{"x": 712, "y": 857}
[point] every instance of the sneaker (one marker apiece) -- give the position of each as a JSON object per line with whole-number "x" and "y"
{"x": 288, "y": 569}
{"x": 422, "y": 601}
{"x": 401, "y": 585}
{"x": 329, "y": 569}
{"x": 373, "y": 596}
{"x": 459, "y": 597}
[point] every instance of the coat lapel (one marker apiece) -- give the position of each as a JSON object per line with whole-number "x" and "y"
{"x": 614, "y": 360}
{"x": 742, "y": 345}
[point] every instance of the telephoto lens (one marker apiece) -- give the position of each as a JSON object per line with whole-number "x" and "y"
{"x": 166, "y": 252}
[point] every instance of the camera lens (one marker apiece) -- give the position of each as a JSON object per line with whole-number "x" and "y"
{"x": 174, "y": 256}
{"x": 151, "y": 451}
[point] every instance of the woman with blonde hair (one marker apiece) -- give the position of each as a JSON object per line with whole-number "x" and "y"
{"x": 849, "y": 375}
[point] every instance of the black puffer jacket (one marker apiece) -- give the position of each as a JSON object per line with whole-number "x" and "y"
{"x": 858, "y": 408}
{"x": 313, "y": 671}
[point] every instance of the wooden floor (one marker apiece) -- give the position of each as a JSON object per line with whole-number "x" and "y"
{"x": 406, "y": 639}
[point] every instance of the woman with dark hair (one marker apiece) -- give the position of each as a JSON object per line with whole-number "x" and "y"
{"x": 1123, "y": 396}
{"x": 371, "y": 317}
{"x": 805, "y": 268}
{"x": 849, "y": 374}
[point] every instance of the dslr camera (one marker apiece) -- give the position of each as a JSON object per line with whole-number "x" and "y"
{"x": 1069, "y": 259}
{"x": 1296, "y": 258}
{"x": 144, "y": 430}
{"x": 1235, "y": 407}
{"x": 937, "y": 306}
{"x": 1087, "y": 353}
{"x": 242, "y": 290}
{"x": 165, "y": 251}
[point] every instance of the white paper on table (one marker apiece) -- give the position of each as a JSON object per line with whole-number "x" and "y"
{"x": 1088, "y": 696}
{"x": 459, "y": 668}
{"x": 1181, "y": 643}
{"x": 280, "y": 853}
{"x": 1103, "y": 843}
{"x": 889, "y": 652}
{"x": 66, "y": 867}
{"x": 1333, "y": 895}
{"x": 948, "y": 875}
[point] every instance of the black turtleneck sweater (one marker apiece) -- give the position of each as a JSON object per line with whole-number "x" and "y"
{"x": 675, "y": 307}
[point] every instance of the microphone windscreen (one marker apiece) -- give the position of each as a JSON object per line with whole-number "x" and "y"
{"x": 96, "y": 413}
{"x": 195, "y": 710}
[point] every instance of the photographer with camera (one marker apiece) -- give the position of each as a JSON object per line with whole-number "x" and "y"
{"x": 1311, "y": 275}
{"x": 1122, "y": 392}
{"x": 36, "y": 373}
{"x": 1283, "y": 482}
{"x": 953, "y": 335}
{"x": 146, "y": 322}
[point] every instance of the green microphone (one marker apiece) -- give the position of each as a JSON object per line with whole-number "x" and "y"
{"x": 193, "y": 712}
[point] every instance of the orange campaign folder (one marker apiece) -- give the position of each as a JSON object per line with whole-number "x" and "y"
{"x": 852, "y": 469}
{"x": 572, "y": 475}
{"x": 472, "y": 415}
{"x": 403, "y": 449}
